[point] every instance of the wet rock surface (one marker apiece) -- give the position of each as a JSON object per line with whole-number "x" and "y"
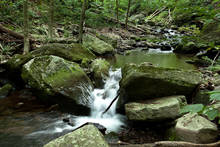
{"x": 87, "y": 136}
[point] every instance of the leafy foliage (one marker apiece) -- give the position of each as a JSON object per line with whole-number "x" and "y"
{"x": 209, "y": 111}
{"x": 214, "y": 95}
{"x": 192, "y": 108}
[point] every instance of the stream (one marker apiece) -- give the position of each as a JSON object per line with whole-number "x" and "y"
{"x": 26, "y": 122}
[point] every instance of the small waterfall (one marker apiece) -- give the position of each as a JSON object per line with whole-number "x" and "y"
{"x": 99, "y": 99}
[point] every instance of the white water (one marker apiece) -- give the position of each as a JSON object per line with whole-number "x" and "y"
{"x": 99, "y": 100}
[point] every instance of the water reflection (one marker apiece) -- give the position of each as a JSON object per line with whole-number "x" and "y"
{"x": 161, "y": 59}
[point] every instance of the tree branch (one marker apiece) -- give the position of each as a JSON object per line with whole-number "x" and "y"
{"x": 111, "y": 104}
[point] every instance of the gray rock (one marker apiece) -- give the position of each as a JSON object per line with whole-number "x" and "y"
{"x": 96, "y": 45}
{"x": 87, "y": 136}
{"x": 197, "y": 129}
{"x": 155, "y": 109}
{"x": 145, "y": 82}
{"x": 54, "y": 76}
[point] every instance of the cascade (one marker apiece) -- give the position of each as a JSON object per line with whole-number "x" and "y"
{"x": 99, "y": 99}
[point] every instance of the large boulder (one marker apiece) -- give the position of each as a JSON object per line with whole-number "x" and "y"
{"x": 197, "y": 129}
{"x": 145, "y": 82}
{"x": 54, "y": 76}
{"x": 109, "y": 37}
{"x": 187, "y": 46}
{"x": 87, "y": 136}
{"x": 72, "y": 52}
{"x": 155, "y": 109}
{"x": 100, "y": 68}
{"x": 96, "y": 45}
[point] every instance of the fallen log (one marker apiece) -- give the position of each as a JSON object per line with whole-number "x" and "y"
{"x": 184, "y": 144}
{"x": 13, "y": 34}
{"x": 123, "y": 24}
{"x": 157, "y": 12}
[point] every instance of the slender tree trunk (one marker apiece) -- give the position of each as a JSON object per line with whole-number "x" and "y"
{"x": 51, "y": 21}
{"x": 117, "y": 5}
{"x": 128, "y": 11}
{"x": 82, "y": 19}
{"x": 26, "y": 28}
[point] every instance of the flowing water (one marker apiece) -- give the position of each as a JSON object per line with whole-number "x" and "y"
{"x": 101, "y": 99}
{"x": 98, "y": 100}
{"x": 35, "y": 129}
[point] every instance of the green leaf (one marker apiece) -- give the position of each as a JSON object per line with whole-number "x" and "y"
{"x": 215, "y": 95}
{"x": 211, "y": 113}
{"x": 195, "y": 108}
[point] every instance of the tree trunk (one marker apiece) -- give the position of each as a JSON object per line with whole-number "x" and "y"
{"x": 128, "y": 9}
{"x": 82, "y": 19}
{"x": 26, "y": 28}
{"x": 117, "y": 5}
{"x": 51, "y": 21}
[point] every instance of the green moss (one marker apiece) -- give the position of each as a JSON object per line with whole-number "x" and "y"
{"x": 100, "y": 68}
{"x": 52, "y": 75}
{"x": 96, "y": 45}
{"x": 211, "y": 32}
{"x": 145, "y": 82}
{"x": 71, "y": 52}
{"x": 4, "y": 90}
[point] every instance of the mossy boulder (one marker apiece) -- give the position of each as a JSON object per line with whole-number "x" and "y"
{"x": 56, "y": 77}
{"x": 110, "y": 38}
{"x": 87, "y": 136}
{"x": 158, "y": 109}
{"x": 100, "y": 68}
{"x": 96, "y": 45}
{"x": 142, "y": 82}
{"x": 71, "y": 52}
{"x": 211, "y": 32}
{"x": 4, "y": 90}
{"x": 190, "y": 45}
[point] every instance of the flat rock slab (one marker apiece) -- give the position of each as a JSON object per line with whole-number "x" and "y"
{"x": 141, "y": 82}
{"x": 155, "y": 109}
{"x": 87, "y": 136}
{"x": 197, "y": 129}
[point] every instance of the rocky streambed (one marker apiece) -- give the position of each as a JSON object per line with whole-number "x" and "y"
{"x": 156, "y": 84}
